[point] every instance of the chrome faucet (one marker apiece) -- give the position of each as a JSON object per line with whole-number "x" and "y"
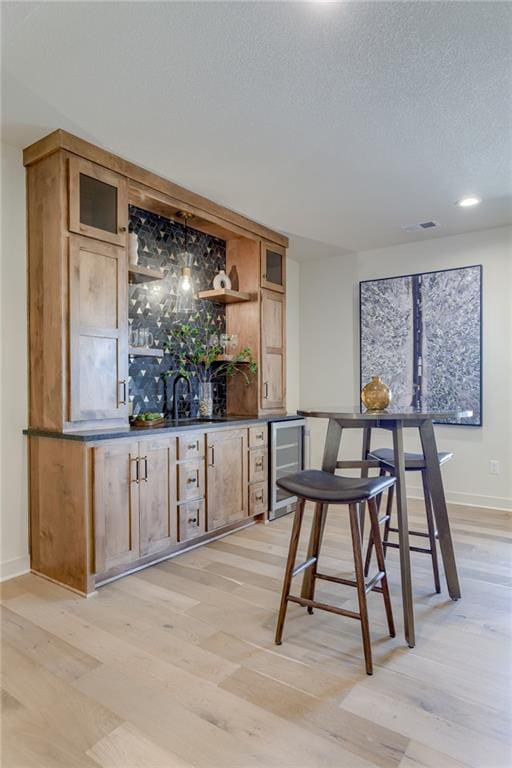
{"x": 179, "y": 377}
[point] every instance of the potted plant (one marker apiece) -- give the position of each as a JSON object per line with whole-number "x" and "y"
{"x": 196, "y": 350}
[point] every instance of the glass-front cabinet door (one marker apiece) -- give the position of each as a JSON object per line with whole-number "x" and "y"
{"x": 273, "y": 267}
{"x": 98, "y": 202}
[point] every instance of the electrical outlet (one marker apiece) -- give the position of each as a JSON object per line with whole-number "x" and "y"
{"x": 494, "y": 467}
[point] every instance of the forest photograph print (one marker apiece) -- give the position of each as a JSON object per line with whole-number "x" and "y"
{"x": 422, "y": 334}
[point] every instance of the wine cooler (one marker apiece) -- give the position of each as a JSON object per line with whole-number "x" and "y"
{"x": 288, "y": 444}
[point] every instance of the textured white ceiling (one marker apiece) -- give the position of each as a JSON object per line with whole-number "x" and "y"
{"x": 338, "y": 122}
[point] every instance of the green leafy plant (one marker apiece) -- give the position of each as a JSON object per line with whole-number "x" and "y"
{"x": 195, "y": 348}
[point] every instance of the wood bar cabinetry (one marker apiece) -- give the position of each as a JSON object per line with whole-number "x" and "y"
{"x": 101, "y": 508}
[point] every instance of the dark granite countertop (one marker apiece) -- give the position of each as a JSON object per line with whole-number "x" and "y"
{"x": 89, "y": 435}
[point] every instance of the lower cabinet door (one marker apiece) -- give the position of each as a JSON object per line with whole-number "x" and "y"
{"x": 116, "y": 504}
{"x": 158, "y": 515}
{"x": 227, "y": 488}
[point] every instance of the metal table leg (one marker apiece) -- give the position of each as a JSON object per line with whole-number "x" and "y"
{"x": 403, "y": 533}
{"x": 435, "y": 483}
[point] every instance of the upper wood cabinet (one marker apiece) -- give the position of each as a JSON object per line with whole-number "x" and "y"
{"x": 273, "y": 267}
{"x": 227, "y": 472}
{"x": 98, "y": 202}
{"x": 98, "y": 329}
{"x": 273, "y": 352}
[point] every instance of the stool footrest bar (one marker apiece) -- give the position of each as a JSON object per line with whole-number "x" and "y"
{"x": 412, "y": 533}
{"x": 323, "y": 607}
{"x": 374, "y": 581}
{"x": 303, "y": 566}
{"x": 392, "y": 544}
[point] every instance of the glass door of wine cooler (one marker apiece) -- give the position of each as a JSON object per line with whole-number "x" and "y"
{"x": 286, "y": 457}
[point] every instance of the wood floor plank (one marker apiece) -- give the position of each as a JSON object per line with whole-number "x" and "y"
{"x": 175, "y": 666}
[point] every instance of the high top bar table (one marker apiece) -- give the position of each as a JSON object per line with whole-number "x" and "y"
{"x": 395, "y": 420}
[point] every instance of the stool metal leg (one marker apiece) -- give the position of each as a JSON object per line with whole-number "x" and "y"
{"x": 379, "y": 553}
{"x": 361, "y": 589}
{"x": 318, "y": 522}
{"x": 290, "y": 563}
{"x": 431, "y": 532}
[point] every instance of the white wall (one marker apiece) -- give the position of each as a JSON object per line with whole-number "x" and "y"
{"x": 330, "y": 367}
{"x": 13, "y": 372}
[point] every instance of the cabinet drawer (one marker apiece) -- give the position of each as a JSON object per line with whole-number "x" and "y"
{"x": 258, "y": 498}
{"x": 257, "y": 465}
{"x": 191, "y": 520}
{"x": 191, "y": 480}
{"x": 191, "y": 446}
{"x": 258, "y": 436}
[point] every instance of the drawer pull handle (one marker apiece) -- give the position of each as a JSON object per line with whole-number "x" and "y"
{"x": 145, "y": 460}
{"x": 193, "y": 446}
{"x": 192, "y": 480}
{"x": 122, "y": 400}
{"x": 136, "y": 479}
{"x": 192, "y": 520}
{"x": 259, "y": 464}
{"x": 260, "y": 497}
{"x": 259, "y": 436}
{"x": 212, "y": 462}
{"x": 265, "y": 386}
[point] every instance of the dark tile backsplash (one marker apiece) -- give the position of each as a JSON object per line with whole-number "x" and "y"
{"x": 152, "y": 306}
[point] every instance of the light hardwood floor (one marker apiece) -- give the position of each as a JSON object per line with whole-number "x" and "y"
{"x": 175, "y": 666}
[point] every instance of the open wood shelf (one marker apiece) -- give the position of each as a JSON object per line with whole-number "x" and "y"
{"x": 224, "y": 296}
{"x": 145, "y": 351}
{"x": 137, "y": 274}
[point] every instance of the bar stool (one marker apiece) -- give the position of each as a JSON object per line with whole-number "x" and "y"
{"x": 414, "y": 462}
{"x": 324, "y": 489}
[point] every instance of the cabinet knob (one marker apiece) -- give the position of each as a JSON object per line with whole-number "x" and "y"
{"x": 192, "y": 520}
{"x": 122, "y": 229}
{"x": 192, "y": 480}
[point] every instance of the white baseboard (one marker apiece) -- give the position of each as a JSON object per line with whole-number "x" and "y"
{"x": 467, "y": 499}
{"x": 9, "y": 569}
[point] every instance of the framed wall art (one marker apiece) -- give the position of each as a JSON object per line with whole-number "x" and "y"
{"x": 422, "y": 334}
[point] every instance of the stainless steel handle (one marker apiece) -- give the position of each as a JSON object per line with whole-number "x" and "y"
{"x": 145, "y": 460}
{"x": 265, "y": 389}
{"x": 136, "y": 479}
{"x": 212, "y": 462}
{"x": 122, "y": 383}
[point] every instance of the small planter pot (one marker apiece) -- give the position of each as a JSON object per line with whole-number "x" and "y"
{"x": 205, "y": 398}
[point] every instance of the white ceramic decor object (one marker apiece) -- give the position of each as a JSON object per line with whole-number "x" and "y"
{"x": 221, "y": 280}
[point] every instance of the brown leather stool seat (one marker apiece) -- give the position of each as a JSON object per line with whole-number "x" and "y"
{"x": 315, "y": 485}
{"x": 324, "y": 489}
{"x": 414, "y": 462}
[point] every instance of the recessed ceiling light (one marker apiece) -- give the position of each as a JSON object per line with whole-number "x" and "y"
{"x": 469, "y": 201}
